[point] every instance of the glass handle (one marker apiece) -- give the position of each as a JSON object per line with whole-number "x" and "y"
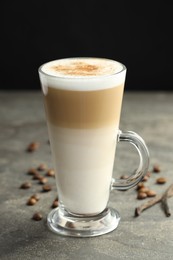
{"x": 137, "y": 175}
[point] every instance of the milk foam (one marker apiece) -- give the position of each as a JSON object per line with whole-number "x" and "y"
{"x": 82, "y": 74}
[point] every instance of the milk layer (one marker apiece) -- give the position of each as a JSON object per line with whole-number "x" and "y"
{"x": 83, "y": 160}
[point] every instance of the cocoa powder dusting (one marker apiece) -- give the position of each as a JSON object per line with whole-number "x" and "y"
{"x": 77, "y": 69}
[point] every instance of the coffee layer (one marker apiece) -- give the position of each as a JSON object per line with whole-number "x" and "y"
{"x": 83, "y": 109}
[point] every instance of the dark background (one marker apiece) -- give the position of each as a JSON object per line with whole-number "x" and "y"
{"x": 136, "y": 33}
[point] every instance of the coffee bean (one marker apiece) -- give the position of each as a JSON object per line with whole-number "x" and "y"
{"x": 124, "y": 177}
{"x": 151, "y": 193}
{"x": 33, "y": 146}
{"x": 43, "y": 180}
{"x": 156, "y": 168}
{"x": 47, "y": 187}
{"x": 140, "y": 185}
{"x": 161, "y": 180}
{"x": 141, "y": 195}
{"x": 55, "y": 204}
{"x": 36, "y": 197}
{"x": 145, "y": 178}
{"x": 37, "y": 176}
{"x": 37, "y": 216}
{"x": 42, "y": 167}
{"x": 144, "y": 189}
{"x": 148, "y": 174}
{"x": 32, "y": 171}
{"x": 50, "y": 173}
{"x": 26, "y": 185}
{"x": 31, "y": 202}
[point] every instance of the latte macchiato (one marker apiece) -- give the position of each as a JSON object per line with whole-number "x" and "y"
{"x": 83, "y": 99}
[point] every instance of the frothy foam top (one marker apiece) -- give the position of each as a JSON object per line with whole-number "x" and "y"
{"x": 82, "y": 73}
{"x": 81, "y": 67}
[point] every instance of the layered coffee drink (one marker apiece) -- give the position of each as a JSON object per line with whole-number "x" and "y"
{"x": 83, "y": 99}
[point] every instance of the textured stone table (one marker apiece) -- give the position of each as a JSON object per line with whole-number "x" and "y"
{"x": 150, "y": 236}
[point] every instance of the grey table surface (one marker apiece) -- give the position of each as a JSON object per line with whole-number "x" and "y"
{"x": 149, "y": 236}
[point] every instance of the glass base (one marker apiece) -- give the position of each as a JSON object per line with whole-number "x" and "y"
{"x": 63, "y": 223}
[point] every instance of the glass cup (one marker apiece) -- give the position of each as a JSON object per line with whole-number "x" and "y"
{"x": 83, "y": 98}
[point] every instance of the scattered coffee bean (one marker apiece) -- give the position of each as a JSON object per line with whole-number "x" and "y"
{"x": 148, "y": 174}
{"x": 140, "y": 185}
{"x": 143, "y": 189}
{"x": 36, "y": 197}
{"x": 145, "y": 178}
{"x": 151, "y": 193}
{"x": 37, "y": 176}
{"x": 124, "y": 177}
{"x": 156, "y": 168}
{"x": 50, "y": 173}
{"x": 33, "y": 146}
{"x": 32, "y": 171}
{"x": 55, "y": 204}
{"x": 47, "y": 187}
{"x": 26, "y": 185}
{"x": 43, "y": 180}
{"x": 141, "y": 195}
{"x": 42, "y": 167}
{"x": 31, "y": 202}
{"x": 161, "y": 180}
{"x": 37, "y": 216}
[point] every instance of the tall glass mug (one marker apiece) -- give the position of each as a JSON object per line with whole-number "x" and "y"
{"x": 83, "y": 98}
